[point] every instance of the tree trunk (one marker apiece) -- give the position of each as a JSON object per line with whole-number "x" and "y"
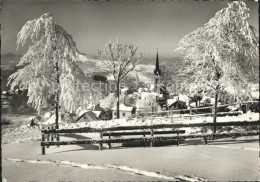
{"x": 117, "y": 104}
{"x": 57, "y": 97}
{"x": 215, "y": 110}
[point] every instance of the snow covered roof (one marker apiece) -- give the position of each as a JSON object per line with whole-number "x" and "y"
{"x": 110, "y": 77}
{"x": 151, "y": 87}
{"x": 47, "y": 115}
{"x": 255, "y": 95}
{"x": 123, "y": 107}
{"x": 124, "y": 89}
{"x": 140, "y": 90}
{"x": 4, "y": 92}
{"x": 51, "y": 120}
{"x": 97, "y": 113}
{"x": 90, "y": 115}
{"x": 171, "y": 101}
{"x": 184, "y": 98}
{"x": 83, "y": 111}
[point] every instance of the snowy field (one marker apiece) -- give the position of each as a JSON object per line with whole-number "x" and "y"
{"x": 229, "y": 160}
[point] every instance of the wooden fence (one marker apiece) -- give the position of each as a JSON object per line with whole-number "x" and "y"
{"x": 48, "y": 135}
{"x": 170, "y": 112}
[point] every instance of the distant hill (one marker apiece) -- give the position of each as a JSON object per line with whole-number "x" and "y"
{"x": 8, "y": 66}
{"x": 96, "y": 66}
{"x": 91, "y": 65}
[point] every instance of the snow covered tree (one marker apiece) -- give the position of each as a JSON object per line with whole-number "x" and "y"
{"x": 120, "y": 59}
{"x": 220, "y": 54}
{"x": 48, "y": 69}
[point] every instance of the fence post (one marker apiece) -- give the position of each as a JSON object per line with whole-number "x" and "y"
{"x": 100, "y": 143}
{"x": 152, "y": 142}
{"x": 204, "y": 131}
{"x": 178, "y": 139}
{"x": 190, "y": 113}
{"x": 109, "y": 144}
{"x": 57, "y": 135}
{"x": 247, "y": 106}
{"x": 144, "y": 140}
{"x": 43, "y": 147}
{"x": 52, "y": 134}
{"x": 48, "y": 137}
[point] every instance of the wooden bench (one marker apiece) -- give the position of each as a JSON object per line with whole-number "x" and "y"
{"x": 144, "y": 133}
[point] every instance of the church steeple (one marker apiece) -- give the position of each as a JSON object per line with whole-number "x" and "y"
{"x": 157, "y": 70}
{"x": 157, "y": 73}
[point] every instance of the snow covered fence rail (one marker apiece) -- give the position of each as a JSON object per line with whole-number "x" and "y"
{"x": 149, "y": 139}
{"x": 151, "y": 128}
{"x": 157, "y": 126}
{"x": 170, "y": 112}
{"x": 232, "y": 113}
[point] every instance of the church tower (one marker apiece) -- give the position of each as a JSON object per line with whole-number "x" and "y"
{"x": 157, "y": 73}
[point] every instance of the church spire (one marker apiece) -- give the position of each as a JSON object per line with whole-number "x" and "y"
{"x": 157, "y": 70}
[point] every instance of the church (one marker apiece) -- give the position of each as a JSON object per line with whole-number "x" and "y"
{"x": 159, "y": 87}
{"x": 156, "y": 99}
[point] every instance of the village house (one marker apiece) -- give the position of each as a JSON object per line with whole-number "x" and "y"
{"x": 124, "y": 111}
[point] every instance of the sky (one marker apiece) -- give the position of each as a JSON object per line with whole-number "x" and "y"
{"x": 148, "y": 24}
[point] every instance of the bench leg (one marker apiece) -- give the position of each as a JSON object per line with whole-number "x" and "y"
{"x": 205, "y": 141}
{"x": 48, "y": 139}
{"x": 43, "y": 150}
{"x": 100, "y": 146}
{"x": 43, "y": 147}
{"x": 152, "y": 142}
{"x": 144, "y": 141}
{"x": 178, "y": 140}
{"x": 109, "y": 144}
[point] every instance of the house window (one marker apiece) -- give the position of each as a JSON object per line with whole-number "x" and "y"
{"x": 123, "y": 114}
{"x": 115, "y": 113}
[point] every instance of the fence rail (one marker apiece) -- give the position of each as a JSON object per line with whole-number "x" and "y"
{"x": 200, "y": 108}
{"x": 232, "y": 113}
{"x": 158, "y": 126}
{"x": 149, "y": 138}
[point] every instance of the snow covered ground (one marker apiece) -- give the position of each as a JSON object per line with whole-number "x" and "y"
{"x": 228, "y": 160}
{"x": 234, "y": 159}
{"x": 153, "y": 121}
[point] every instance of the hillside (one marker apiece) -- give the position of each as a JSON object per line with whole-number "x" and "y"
{"x": 95, "y": 66}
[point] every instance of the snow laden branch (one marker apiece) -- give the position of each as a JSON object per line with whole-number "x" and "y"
{"x": 48, "y": 69}
{"x": 220, "y": 55}
{"x": 120, "y": 59}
